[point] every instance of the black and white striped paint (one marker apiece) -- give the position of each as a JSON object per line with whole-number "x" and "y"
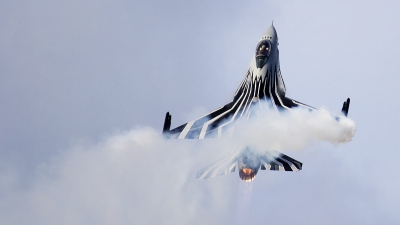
{"x": 262, "y": 88}
{"x": 269, "y": 160}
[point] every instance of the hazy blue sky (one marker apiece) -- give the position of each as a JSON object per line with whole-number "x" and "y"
{"x": 76, "y": 76}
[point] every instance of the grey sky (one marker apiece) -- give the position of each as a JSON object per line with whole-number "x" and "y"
{"x": 75, "y": 72}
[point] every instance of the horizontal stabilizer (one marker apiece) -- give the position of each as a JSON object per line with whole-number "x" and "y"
{"x": 273, "y": 160}
{"x": 221, "y": 167}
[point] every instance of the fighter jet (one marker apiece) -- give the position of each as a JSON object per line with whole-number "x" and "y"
{"x": 262, "y": 84}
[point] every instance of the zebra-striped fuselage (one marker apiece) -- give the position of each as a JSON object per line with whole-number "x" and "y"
{"x": 263, "y": 83}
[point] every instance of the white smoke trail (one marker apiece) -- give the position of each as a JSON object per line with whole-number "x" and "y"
{"x": 293, "y": 130}
{"x": 243, "y": 204}
{"x": 138, "y": 177}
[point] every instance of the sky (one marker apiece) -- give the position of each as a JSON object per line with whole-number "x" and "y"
{"x": 85, "y": 85}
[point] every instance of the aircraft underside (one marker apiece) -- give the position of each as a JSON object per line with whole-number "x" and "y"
{"x": 262, "y": 89}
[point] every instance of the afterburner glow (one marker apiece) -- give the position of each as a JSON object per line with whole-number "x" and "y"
{"x": 247, "y": 174}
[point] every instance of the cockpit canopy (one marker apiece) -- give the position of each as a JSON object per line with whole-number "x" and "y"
{"x": 264, "y": 48}
{"x": 263, "y": 51}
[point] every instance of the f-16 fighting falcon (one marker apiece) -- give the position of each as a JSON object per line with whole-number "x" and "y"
{"x": 263, "y": 84}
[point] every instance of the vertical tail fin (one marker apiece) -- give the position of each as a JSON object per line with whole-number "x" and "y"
{"x": 345, "y": 108}
{"x": 167, "y": 124}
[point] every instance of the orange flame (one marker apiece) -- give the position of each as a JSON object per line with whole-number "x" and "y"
{"x": 247, "y": 174}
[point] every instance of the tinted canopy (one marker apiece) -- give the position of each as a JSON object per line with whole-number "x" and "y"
{"x": 263, "y": 51}
{"x": 263, "y": 48}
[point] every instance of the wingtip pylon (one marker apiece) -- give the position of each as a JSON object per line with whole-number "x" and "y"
{"x": 167, "y": 124}
{"x": 345, "y": 108}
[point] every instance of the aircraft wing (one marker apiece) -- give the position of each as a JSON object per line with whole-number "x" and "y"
{"x": 207, "y": 126}
{"x": 216, "y": 122}
{"x": 288, "y": 103}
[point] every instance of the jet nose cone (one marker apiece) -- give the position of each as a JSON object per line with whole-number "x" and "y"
{"x": 271, "y": 32}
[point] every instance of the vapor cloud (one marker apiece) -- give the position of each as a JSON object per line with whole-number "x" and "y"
{"x": 294, "y": 129}
{"x": 138, "y": 177}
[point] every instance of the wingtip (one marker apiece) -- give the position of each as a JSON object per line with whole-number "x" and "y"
{"x": 345, "y": 108}
{"x": 167, "y": 124}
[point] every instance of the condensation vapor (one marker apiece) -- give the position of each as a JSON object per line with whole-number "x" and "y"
{"x": 293, "y": 130}
{"x": 136, "y": 177}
